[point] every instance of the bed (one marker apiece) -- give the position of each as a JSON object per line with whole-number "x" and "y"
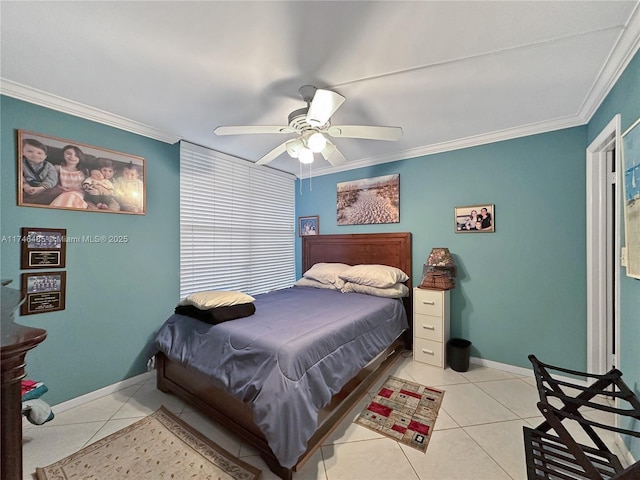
{"x": 214, "y": 399}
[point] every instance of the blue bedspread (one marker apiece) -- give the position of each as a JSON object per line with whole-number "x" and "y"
{"x": 288, "y": 359}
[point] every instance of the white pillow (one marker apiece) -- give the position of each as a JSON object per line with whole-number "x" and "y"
{"x": 381, "y": 276}
{"x": 310, "y": 282}
{"x": 396, "y": 291}
{"x": 327, "y": 273}
{"x": 216, "y": 298}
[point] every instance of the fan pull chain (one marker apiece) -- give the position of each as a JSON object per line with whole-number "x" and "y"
{"x": 301, "y": 179}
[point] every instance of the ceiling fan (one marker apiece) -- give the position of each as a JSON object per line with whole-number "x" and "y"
{"x": 313, "y": 124}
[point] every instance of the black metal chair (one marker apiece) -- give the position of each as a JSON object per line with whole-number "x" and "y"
{"x": 551, "y": 451}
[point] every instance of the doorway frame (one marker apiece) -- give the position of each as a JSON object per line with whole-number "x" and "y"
{"x": 597, "y": 254}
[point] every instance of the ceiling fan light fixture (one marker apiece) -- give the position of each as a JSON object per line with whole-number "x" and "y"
{"x": 305, "y": 156}
{"x": 314, "y": 128}
{"x": 294, "y": 147}
{"x": 316, "y": 142}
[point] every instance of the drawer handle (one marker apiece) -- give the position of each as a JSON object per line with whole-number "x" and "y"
{"x": 429, "y": 303}
{"x": 428, "y": 327}
{"x": 428, "y": 352}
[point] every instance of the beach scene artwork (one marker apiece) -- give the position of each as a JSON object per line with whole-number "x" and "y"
{"x": 370, "y": 200}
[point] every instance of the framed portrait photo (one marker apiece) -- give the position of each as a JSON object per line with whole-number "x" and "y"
{"x": 69, "y": 175}
{"x": 42, "y": 248}
{"x": 308, "y": 226}
{"x": 44, "y": 292}
{"x": 475, "y": 219}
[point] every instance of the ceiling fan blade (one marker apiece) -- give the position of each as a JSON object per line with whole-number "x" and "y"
{"x": 367, "y": 132}
{"x": 323, "y": 105}
{"x": 250, "y": 129}
{"x": 273, "y": 154}
{"x": 332, "y": 155}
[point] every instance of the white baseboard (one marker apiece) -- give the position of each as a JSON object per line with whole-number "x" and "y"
{"x": 526, "y": 372}
{"x": 109, "y": 389}
{"x": 77, "y": 401}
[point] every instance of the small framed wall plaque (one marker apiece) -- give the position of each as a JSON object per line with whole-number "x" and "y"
{"x": 43, "y": 248}
{"x": 44, "y": 292}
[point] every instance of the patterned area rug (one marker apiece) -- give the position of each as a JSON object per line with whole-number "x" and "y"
{"x": 404, "y": 411}
{"x": 158, "y": 446}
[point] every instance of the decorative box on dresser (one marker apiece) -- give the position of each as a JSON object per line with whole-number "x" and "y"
{"x": 430, "y": 326}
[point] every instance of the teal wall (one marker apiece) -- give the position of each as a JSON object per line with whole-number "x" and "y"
{"x": 117, "y": 294}
{"x": 625, "y": 99}
{"x": 519, "y": 290}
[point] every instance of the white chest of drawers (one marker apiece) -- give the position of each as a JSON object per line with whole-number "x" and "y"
{"x": 430, "y": 326}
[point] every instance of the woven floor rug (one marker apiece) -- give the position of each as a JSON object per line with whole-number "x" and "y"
{"x": 160, "y": 446}
{"x": 404, "y": 411}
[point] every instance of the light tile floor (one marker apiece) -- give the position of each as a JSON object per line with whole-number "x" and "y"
{"x": 478, "y": 434}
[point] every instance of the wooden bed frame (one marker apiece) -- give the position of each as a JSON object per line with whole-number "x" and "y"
{"x": 392, "y": 249}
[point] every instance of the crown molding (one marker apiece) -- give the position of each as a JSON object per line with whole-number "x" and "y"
{"x": 60, "y": 104}
{"x": 458, "y": 144}
{"x": 54, "y": 102}
{"x": 622, "y": 53}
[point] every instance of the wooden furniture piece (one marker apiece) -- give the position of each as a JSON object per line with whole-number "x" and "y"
{"x": 551, "y": 450}
{"x": 17, "y": 340}
{"x": 430, "y": 326}
{"x": 392, "y": 249}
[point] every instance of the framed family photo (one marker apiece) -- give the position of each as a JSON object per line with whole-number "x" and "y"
{"x": 475, "y": 219}
{"x": 44, "y": 292}
{"x": 42, "y": 248}
{"x": 308, "y": 226}
{"x": 69, "y": 175}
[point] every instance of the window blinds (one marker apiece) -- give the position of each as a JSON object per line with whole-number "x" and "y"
{"x": 237, "y": 224}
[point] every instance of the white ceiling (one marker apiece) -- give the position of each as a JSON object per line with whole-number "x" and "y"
{"x": 450, "y": 73}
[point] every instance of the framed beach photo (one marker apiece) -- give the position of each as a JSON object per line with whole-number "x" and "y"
{"x": 69, "y": 175}
{"x": 308, "y": 226}
{"x": 369, "y": 201}
{"x": 475, "y": 219}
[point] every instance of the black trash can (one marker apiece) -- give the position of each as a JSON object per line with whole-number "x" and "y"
{"x": 458, "y": 354}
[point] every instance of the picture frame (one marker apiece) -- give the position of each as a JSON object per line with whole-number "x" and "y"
{"x": 470, "y": 219}
{"x": 308, "y": 226}
{"x": 631, "y": 195}
{"x": 69, "y": 175}
{"x": 44, "y": 292}
{"x": 43, "y": 248}
{"x": 369, "y": 201}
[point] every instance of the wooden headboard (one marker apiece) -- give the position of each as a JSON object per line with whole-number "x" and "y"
{"x": 393, "y": 249}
